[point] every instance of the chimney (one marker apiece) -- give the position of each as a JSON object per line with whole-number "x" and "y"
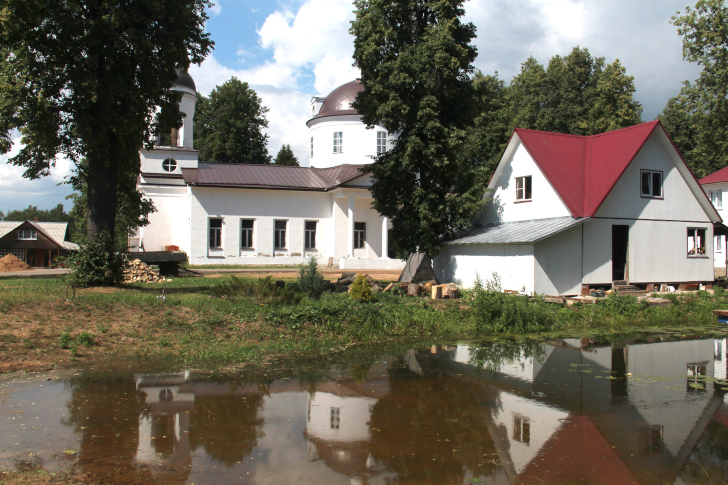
{"x": 35, "y": 219}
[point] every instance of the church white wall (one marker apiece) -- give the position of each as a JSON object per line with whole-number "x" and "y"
{"x": 170, "y": 225}
{"x": 187, "y": 108}
{"x": 151, "y": 160}
{"x": 545, "y": 203}
{"x": 558, "y": 263}
{"x": 463, "y": 263}
{"x": 359, "y": 144}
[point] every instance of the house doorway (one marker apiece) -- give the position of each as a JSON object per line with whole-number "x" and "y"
{"x": 620, "y": 243}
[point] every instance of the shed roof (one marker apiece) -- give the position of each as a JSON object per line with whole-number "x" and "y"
{"x": 521, "y": 232}
{"x": 56, "y": 231}
{"x": 715, "y": 177}
{"x": 584, "y": 169}
{"x": 270, "y": 176}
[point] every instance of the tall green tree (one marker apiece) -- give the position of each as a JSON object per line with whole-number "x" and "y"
{"x": 83, "y": 79}
{"x": 57, "y": 214}
{"x": 286, "y": 157}
{"x": 577, "y": 94}
{"x": 229, "y": 125}
{"x": 415, "y": 58}
{"x": 700, "y": 113}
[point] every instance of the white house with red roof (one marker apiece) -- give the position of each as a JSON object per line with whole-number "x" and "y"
{"x": 715, "y": 185}
{"x": 567, "y": 211}
{"x": 266, "y": 214}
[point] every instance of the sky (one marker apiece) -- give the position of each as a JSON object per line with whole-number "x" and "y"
{"x": 291, "y": 50}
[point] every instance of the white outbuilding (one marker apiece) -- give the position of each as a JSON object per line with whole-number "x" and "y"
{"x": 567, "y": 211}
{"x": 266, "y": 214}
{"x": 715, "y": 185}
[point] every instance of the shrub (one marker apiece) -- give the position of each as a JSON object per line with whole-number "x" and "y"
{"x": 85, "y": 339}
{"x": 65, "y": 340}
{"x": 262, "y": 290}
{"x": 95, "y": 264}
{"x": 310, "y": 280}
{"x": 360, "y": 289}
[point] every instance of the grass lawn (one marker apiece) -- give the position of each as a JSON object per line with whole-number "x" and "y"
{"x": 43, "y": 325}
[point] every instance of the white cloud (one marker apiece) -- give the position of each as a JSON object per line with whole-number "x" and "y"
{"x": 241, "y": 53}
{"x": 216, "y": 8}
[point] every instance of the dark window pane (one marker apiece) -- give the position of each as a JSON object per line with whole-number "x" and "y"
{"x": 215, "y": 222}
{"x": 645, "y": 183}
{"x": 360, "y": 226}
{"x": 310, "y": 225}
{"x": 281, "y": 225}
{"x": 246, "y": 224}
{"x": 528, "y": 187}
{"x": 656, "y": 184}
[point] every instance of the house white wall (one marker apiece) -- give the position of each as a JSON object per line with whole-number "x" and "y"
{"x": 463, "y": 263}
{"x": 545, "y": 203}
{"x": 557, "y": 263}
{"x": 359, "y": 144}
{"x": 719, "y": 242}
{"x": 354, "y": 414}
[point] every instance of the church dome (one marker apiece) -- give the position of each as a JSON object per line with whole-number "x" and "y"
{"x": 340, "y": 99}
{"x": 184, "y": 79}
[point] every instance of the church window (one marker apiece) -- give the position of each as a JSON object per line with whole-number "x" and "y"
{"x": 169, "y": 165}
{"x": 521, "y": 429}
{"x": 311, "y": 147}
{"x": 696, "y": 242}
{"x": 215, "y": 233}
{"x": 651, "y": 183}
{"x": 523, "y": 188}
{"x": 280, "y": 234}
{"x": 338, "y": 142}
{"x": 381, "y": 142}
{"x": 246, "y": 239}
{"x": 360, "y": 234}
{"x": 310, "y": 234}
{"x": 335, "y": 418}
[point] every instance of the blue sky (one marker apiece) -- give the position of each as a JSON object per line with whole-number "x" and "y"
{"x": 289, "y": 50}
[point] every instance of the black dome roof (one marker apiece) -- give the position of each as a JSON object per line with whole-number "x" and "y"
{"x": 340, "y": 99}
{"x": 184, "y": 79}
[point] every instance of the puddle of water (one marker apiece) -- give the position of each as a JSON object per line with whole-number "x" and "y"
{"x": 567, "y": 411}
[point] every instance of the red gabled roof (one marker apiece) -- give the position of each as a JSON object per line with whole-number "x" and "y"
{"x": 715, "y": 177}
{"x": 584, "y": 169}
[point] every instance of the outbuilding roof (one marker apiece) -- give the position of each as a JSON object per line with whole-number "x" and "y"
{"x": 715, "y": 177}
{"x": 276, "y": 177}
{"x": 584, "y": 169}
{"x": 56, "y": 231}
{"x": 520, "y": 232}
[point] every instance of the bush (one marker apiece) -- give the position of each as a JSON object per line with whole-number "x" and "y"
{"x": 85, "y": 339}
{"x": 360, "y": 289}
{"x": 65, "y": 340}
{"x": 310, "y": 280}
{"x": 95, "y": 264}
{"x": 262, "y": 290}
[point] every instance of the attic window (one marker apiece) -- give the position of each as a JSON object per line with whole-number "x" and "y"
{"x": 716, "y": 197}
{"x": 27, "y": 235}
{"x": 651, "y": 183}
{"x": 523, "y": 188}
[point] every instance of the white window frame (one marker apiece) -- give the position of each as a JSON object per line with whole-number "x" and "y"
{"x": 171, "y": 162}
{"x": 18, "y": 253}
{"x": 360, "y": 236}
{"x": 27, "y": 235}
{"x": 718, "y": 244}
{"x": 381, "y": 142}
{"x": 716, "y": 198}
{"x": 338, "y": 142}
{"x": 524, "y": 188}
{"x": 522, "y": 429}
{"x": 651, "y": 181}
{"x": 276, "y": 236}
{"x": 244, "y": 237}
{"x": 310, "y": 235}
{"x": 217, "y": 230}
{"x": 692, "y": 241}
{"x": 335, "y": 419}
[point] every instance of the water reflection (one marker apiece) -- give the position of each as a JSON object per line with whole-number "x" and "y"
{"x": 568, "y": 411}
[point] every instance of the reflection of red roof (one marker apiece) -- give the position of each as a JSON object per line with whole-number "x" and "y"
{"x": 578, "y": 451}
{"x": 715, "y": 177}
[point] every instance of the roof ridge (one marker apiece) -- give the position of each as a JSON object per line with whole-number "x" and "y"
{"x": 232, "y": 164}
{"x": 626, "y": 128}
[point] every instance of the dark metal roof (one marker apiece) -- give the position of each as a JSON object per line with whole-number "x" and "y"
{"x": 184, "y": 79}
{"x": 339, "y": 101}
{"x": 518, "y": 232}
{"x": 270, "y": 176}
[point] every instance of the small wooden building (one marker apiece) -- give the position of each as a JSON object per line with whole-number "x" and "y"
{"x": 36, "y": 243}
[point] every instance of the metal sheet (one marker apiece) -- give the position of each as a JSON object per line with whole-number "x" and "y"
{"x": 521, "y": 232}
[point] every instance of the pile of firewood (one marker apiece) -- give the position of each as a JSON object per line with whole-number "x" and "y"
{"x": 140, "y": 272}
{"x": 428, "y": 288}
{"x": 346, "y": 280}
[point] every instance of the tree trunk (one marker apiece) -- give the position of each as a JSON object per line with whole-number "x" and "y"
{"x": 102, "y": 199}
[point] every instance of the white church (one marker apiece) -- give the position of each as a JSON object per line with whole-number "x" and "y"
{"x": 265, "y": 214}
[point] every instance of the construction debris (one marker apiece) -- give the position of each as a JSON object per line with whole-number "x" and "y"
{"x": 140, "y": 272}
{"x": 10, "y": 263}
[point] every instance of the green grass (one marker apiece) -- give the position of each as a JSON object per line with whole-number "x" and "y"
{"x": 237, "y": 266}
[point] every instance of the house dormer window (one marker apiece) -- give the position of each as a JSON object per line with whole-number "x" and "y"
{"x": 27, "y": 235}
{"x": 338, "y": 142}
{"x": 523, "y": 188}
{"x": 651, "y": 185}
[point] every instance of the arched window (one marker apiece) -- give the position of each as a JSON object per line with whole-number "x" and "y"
{"x": 169, "y": 165}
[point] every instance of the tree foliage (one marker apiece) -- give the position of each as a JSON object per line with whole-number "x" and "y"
{"x": 415, "y": 57}
{"x": 83, "y": 79}
{"x": 286, "y": 157}
{"x": 229, "y": 125}
{"x": 697, "y": 119}
{"x": 57, "y": 214}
